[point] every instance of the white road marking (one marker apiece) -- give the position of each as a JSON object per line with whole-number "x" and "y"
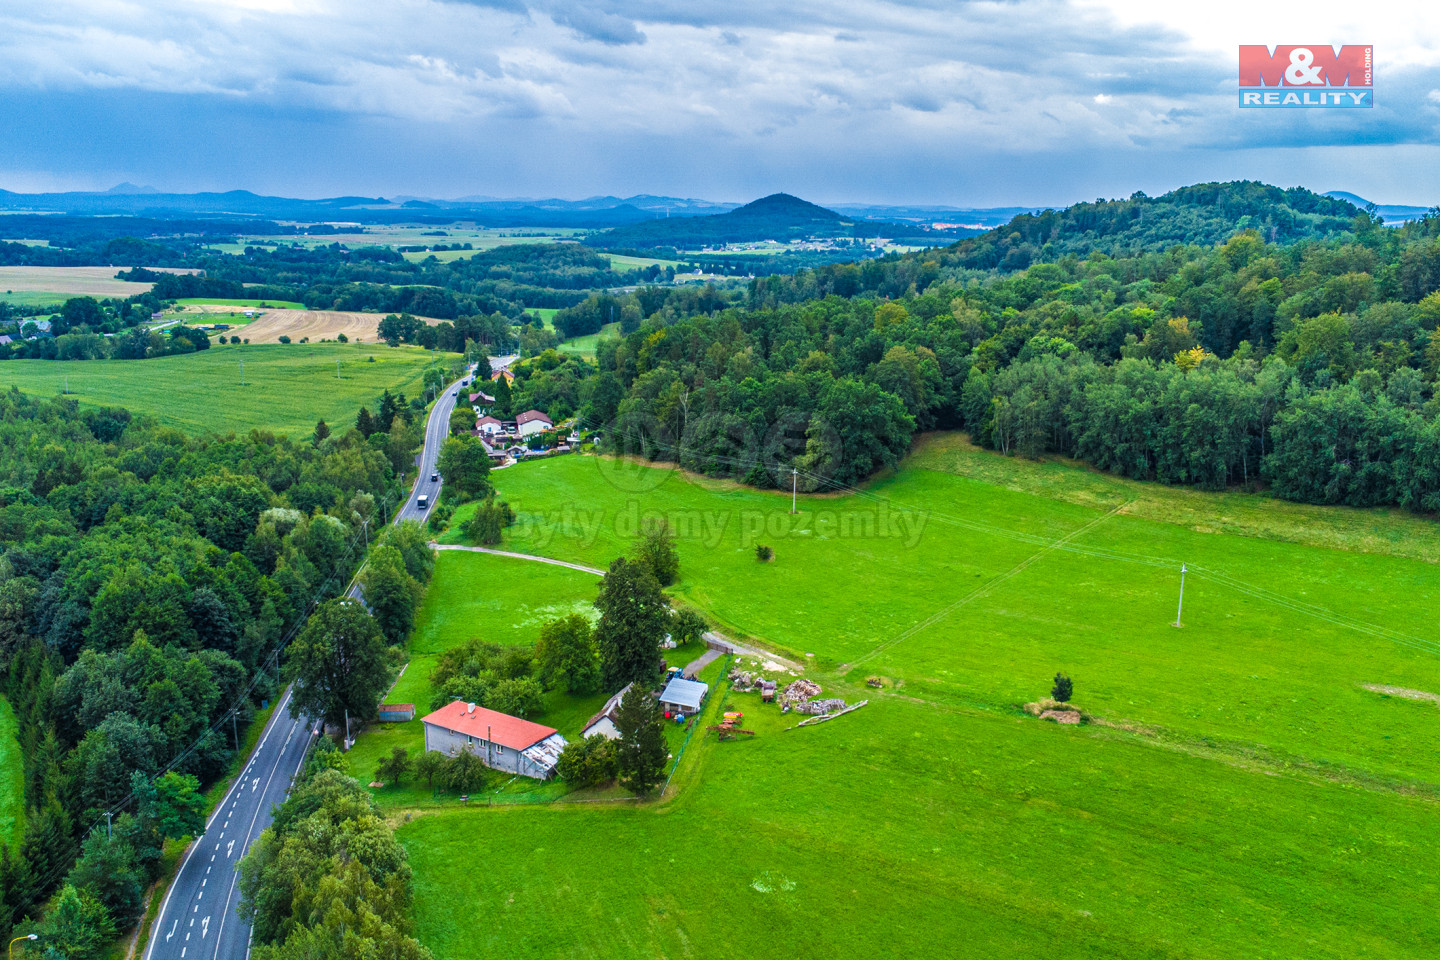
{"x": 172, "y": 929}
{"x": 204, "y": 927}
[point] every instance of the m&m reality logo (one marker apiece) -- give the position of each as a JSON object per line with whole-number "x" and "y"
{"x": 1307, "y": 75}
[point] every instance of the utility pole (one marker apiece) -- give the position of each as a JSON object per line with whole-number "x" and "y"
{"x": 337, "y": 369}
{"x": 235, "y": 731}
{"x": 242, "y": 373}
{"x": 794, "y": 483}
{"x": 107, "y": 825}
{"x": 1181, "y": 605}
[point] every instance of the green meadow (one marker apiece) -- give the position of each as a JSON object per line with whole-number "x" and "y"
{"x": 1258, "y": 781}
{"x": 221, "y": 302}
{"x": 585, "y": 346}
{"x": 286, "y": 389}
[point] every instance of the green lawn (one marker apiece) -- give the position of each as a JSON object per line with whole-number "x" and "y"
{"x": 287, "y": 387}
{"x": 916, "y": 830}
{"x": 585, "y": 346}
{"x": 213, "y": 302}
{"x": 34, "y": 298}
{"x": 12, "y": 777}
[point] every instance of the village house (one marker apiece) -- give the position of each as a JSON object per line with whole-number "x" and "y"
{"x": 532, "y": 422}
{"x": 603, "y": 722}
{"x": 488, "y": 426}
{"x": 503, "y": 742}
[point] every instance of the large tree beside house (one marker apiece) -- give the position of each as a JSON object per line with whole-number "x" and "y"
{"x": 633, "y": 620}
{"x": 339, "y": 663}
{"x": 640, "y": 754}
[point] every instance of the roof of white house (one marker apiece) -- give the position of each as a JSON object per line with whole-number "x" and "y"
{"x": 685, "y": 693}
{"x": 487, "y": 420}
{"x": 530, "y": 415}
{"x": 610, "y": 707}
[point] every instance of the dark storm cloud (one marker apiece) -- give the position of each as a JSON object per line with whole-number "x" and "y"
{"x": 938, "y": 100}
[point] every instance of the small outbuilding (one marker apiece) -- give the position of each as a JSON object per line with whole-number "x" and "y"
{"x": 396, "y": 712}
{"x": 683, "y": 696}
{"x": 603, "y": 722}
{"x": 506, "y": 743}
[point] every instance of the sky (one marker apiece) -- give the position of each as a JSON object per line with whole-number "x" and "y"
{"x": 1023, "y": 102}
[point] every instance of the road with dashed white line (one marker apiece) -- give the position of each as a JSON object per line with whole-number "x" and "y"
{"x": 198, "y": 921}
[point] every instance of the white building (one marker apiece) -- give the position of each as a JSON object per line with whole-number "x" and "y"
{"x": 502, "y": 741}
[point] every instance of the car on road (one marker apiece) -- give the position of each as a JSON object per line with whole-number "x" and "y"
{"x": 422, "y": 501}
{"x": 434, "y": 478}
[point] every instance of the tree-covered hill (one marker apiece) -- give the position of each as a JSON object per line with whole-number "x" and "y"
{"x": 1205, "y": 213}
{"x": 776, "y": 217}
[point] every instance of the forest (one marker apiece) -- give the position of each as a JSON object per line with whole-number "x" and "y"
{"x": 148, "y": 582}
{"x": 1308, "y": 366}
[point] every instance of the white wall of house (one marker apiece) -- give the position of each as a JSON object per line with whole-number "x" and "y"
{"x": 534, "y": 426}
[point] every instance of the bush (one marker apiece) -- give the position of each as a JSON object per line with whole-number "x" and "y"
{"x": 588, "y": 762}
{"x": 283, "y": 339}
{"x": 1063, "y": 688}
{"x": 342, "y": 338}
{"x": 763, "y": 553}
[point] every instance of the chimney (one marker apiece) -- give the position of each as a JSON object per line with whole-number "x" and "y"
{"x": 469, "y": 708}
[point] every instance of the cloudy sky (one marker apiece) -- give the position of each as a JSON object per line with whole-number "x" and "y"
{"x": 911, "y": 101}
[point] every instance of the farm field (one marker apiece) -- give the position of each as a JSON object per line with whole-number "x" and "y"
{"x": 316, "y": 324}
{"x": 287, "y": 388}
{"x": 12, "y": 777}
{"x": 1255, "y": 783}
{"x": 74, "y": 281}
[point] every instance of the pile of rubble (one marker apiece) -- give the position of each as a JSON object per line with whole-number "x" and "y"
{"x": 743, "y": 681}
{"x": 798, "y": 692}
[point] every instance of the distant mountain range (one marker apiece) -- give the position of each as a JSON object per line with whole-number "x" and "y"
{"x": 1389, "y": 212}
{"x": 595, "y": 213}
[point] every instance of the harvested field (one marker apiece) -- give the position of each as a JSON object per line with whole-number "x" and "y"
{"x": 74, "y": 281}
{"x": 315, "y": 324}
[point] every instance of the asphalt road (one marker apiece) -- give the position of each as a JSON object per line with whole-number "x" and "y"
{"x": 436, "y": 429}
{"x": 201, "y": 922}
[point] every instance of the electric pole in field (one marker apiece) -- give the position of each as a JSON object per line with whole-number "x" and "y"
{"x": 242, "y": 373}
{"x": 1181, "y": 606}
{"x": 794, "y": 483}
{"x": 107, "y": 825}
{"x": 337, "y": 369}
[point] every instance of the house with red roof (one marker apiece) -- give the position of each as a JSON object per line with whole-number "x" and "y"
{"x": 531, "y": 422}
{"x": 488, "y": 426}
{"x": 504, "y": 742}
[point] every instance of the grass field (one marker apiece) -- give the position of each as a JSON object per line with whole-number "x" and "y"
{"x": 12, "y": 777}
{"x": 287, "y": 388}
{"x": 257, "y": 304}
{"x": 585, "y": 346}
{"x": 1259, "y": 782}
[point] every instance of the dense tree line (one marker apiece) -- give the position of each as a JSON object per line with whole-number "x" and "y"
{"x": 147, "y": 581}
{"x": 328, "y": 879}
{"x": 1309, "y": 366}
